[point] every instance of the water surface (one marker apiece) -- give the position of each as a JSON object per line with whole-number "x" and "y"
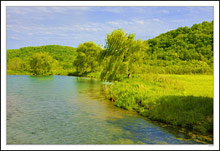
{"x": 72, "y": 110}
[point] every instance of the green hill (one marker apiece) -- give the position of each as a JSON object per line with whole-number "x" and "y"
{"x": 184, "y": 50}
{"x": 19, "y": 59}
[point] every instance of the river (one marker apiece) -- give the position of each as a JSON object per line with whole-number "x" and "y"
{"x": 73, "y": 110}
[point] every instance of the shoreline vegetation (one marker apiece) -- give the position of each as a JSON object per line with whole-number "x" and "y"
{"x": 168, "y": 79}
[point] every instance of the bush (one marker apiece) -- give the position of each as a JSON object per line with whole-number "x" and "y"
{"x": 42, "y": 64}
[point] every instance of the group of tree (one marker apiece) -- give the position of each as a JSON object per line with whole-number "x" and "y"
{"x": 185, "y": 47}
{"x": 181, "y": 51}
{"x": 58, "y": 57}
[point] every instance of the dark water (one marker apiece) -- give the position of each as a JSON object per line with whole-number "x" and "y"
{"x": 71, "y": 110}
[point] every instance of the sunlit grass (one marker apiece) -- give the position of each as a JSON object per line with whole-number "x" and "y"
{"x": 196, "y": 85}
{"x": 180, "y": 100}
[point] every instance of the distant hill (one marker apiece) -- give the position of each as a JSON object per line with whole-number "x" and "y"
{"x": 63, "y": 54}
{"x": 183, "y": 46}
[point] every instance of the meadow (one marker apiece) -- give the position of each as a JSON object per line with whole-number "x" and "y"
{"x": 178, "y": 100}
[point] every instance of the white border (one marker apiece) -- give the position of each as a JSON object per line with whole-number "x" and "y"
{"x": 110, "y": 3}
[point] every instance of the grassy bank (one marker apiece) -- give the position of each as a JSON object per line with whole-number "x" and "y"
{"x": 178, "y": 100}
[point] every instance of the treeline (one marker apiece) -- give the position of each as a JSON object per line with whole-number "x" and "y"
{"x": 184, "y": 50}
{"x": 58, "y": 58}
{"x": 181, "y": 51}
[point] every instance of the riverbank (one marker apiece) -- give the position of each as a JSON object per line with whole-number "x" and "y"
{"x": 61, "y": 72}
{"x": 184, "y": 101}
{"x": 179, "y": 100}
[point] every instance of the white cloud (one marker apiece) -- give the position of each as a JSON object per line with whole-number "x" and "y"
{"x": 126, "y": 23}
{"x": 165, "y": 11}
{"x": 114, "y": 23}
{"x": 30, "y": 33}
{"x": 61, "y": 31}
{"x": 178, "y": 20}
{"x": 139, "y": 22}
{"x": 23, "y": 10}
{"x": 156, "y": 19}
{"x": 14, "y": 38}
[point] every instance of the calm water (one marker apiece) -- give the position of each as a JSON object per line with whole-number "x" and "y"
{"x": 71, "y": 110}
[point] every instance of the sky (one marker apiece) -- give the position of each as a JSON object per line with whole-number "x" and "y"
{"x": 69, "y": 26}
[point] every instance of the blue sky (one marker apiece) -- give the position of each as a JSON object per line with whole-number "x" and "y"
{"x": 69, "y": 26}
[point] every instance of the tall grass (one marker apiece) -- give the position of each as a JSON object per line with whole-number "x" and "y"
{"x": 180, "y": 100}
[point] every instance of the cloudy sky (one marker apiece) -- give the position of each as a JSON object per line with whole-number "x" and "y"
{"x": 69, "y": 26}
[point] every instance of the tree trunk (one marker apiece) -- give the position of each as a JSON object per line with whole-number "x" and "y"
{"x": 129, "y": 76}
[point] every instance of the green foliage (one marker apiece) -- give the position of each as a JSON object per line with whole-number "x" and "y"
{"x": 186, "y": 111}
{"x": 87, "y": 58}
{"x": 181, "y": 100}
{"x": 181, "y": 67}
{"x": 17, "y": 64}
{"x": 42, "y": 64}
{"x": 192, "y": 47}
{"x": 63, "y": 54}
{"x": 122, "y": 56}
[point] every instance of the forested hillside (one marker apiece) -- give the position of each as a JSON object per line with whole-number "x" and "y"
{"x": 184, "y": 50}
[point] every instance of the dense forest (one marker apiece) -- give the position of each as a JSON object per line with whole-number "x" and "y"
{"x": 160, "y": 78}
{"x": 181, "y": 51}
{"x": 184, "y": 50}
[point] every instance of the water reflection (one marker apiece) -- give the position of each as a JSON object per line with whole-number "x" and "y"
{"x": 71, "y": 110}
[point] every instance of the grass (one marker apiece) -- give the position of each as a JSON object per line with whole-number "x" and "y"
{"x": 196, "y": 85}
{"x": 178, "y": 100}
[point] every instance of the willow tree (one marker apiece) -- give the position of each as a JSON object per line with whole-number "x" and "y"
{"x": 123, "y": 55}
{"x": 87, "y": 58}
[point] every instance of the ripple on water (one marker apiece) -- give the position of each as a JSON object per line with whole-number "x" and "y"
{"x": 69, "y": 110}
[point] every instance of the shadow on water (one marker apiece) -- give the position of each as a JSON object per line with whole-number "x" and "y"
{"x": 144, "y": 131}
{"x": 194, "y": 113}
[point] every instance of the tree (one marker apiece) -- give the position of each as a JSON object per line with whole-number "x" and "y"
{"x": 123, "y": 55}
{"x": 65, "y": 55}
{"x": 42, "y": 63}
{"x": 87, "y": 58}
{"x": 16, "y": 64}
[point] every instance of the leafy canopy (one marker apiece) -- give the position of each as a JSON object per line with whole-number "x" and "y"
{"x": 122, "y": 56}
{"x": 87, "y": 58}
{"x": 42, "y": 63}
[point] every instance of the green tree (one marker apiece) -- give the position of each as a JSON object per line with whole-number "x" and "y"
{"x": 42, "y": 63}
{"x": 123, "y": 55}
{"x": 87, "y": 58}
{"x": 16, "y": 64}
{"x": 65, "y": 55}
